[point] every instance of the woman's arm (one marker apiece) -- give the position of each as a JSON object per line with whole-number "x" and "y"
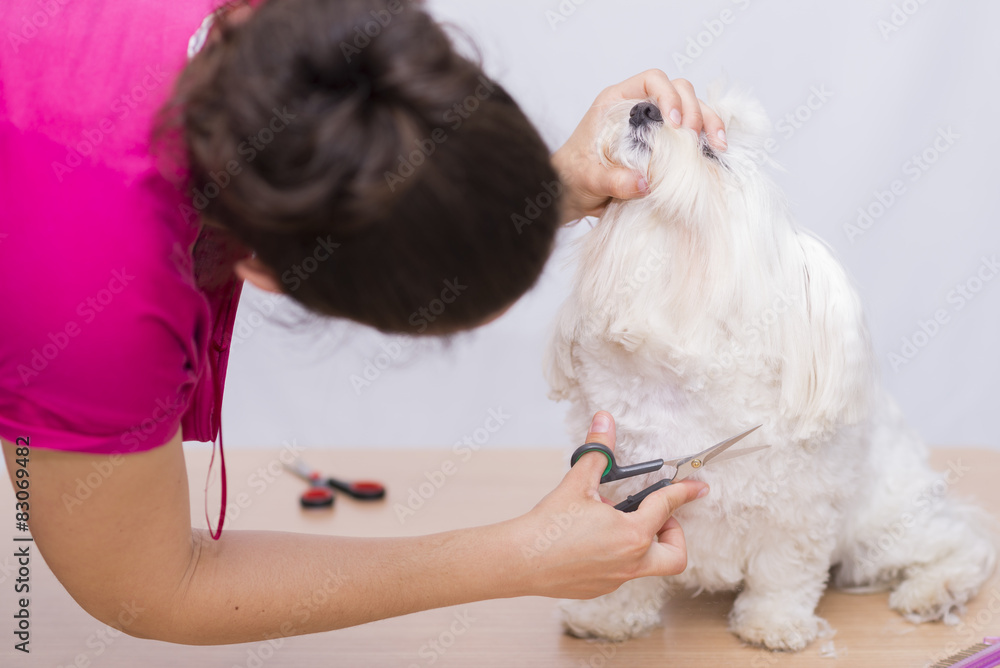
{"x": 591, "y": 184}
{"x": 130, "y": 544}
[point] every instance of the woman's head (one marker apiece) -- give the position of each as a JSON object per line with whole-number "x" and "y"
{"x": 370, "y": 167}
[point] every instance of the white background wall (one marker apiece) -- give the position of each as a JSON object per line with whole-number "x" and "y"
{"x": 891, "y": 94}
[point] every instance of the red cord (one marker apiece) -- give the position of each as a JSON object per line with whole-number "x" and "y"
{"x": 213, "y": 359}
{"x": 222, "y": 463}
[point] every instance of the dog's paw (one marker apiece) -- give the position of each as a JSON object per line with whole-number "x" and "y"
{"x": 940, "y": 590}
{"x": 777, "y": 624}
{"x": 597, "y": 619}
{"x": 926, "y": 597}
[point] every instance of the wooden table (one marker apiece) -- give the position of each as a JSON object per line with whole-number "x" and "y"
{"x": 490, "y": 486}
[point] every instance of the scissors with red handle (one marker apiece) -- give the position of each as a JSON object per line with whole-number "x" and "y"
{"x": 320, "y": 492}
{"x": 684, "y": 466}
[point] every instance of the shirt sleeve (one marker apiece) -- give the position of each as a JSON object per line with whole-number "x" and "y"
{"x": 105, "y": 332}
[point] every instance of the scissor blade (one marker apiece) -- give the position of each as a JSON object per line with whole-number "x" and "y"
{"x": 708, "y": 455}
{"x": 299, "y": 468}
{"x": 694, "y": 463}
{"x": 733, "y": 454}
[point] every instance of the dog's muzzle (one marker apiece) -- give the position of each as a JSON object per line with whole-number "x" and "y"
{"x": 643, "y": 114}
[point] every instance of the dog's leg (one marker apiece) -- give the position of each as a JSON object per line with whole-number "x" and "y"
{"x": 783, "y": 585}
{"x": 934, "y": 559}
{"x": 631, "y": 610}
{"x": 958, "y": 557}
{"x": 935, "y": 553}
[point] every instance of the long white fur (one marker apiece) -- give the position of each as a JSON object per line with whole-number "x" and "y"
{"x": 700, "y": 311}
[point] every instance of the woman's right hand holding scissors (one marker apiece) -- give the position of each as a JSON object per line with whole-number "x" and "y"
{"x": 575, "y": 545}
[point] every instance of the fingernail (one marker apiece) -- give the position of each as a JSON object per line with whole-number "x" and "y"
{"x": 703, "y": 492}
{"x": 601, "y": 424}
{"x": 675, "y": 116}
{"x": 721, "y": 134}
{"x": 643, "y": 185}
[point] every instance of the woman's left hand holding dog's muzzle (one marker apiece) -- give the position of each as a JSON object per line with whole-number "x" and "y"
{"x": 592, "y": 184}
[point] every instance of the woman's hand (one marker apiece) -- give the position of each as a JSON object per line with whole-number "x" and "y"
{"x": 575, "y": 545}
{"x": 591, "y": 184}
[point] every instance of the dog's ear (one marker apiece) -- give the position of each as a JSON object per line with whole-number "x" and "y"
{"x": 558, "y": 364}
{"x": 828, "y": 369}
{"x": 747, "y": 123}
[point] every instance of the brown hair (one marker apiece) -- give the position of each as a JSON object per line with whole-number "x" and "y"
{"x": 381, "y": 175}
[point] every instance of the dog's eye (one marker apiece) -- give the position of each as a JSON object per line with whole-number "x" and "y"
{"x": 706, "y": 148}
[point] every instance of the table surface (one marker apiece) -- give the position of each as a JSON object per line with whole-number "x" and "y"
{"x": 489, "y": 486}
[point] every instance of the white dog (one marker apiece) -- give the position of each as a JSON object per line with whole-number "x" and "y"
{"x": 700, "y": 311}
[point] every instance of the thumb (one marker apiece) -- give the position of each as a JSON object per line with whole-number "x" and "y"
{"x": 623, "y": 183}
{"x": 590, "y": 467}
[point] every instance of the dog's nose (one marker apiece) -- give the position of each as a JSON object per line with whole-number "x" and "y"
{"x": 644, "y": 113}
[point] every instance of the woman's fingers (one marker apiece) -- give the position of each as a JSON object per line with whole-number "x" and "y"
{"x": 715, "y": 129}
{"x": 668, "y": 556}
{"x": 622, "y": 183}
{"x": 673, "y": 535}
{"x": 651, "y": 84}
{"x": 657, "y": 508}
{"x": 593, "y": 464}
{"x": 677, "y": 101}
{"x": 691, "y": 107}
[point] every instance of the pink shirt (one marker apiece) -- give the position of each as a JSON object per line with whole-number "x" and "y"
{"x": 107, "y": 343}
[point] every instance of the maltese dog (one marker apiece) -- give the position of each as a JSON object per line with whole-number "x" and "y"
{"x": 700, "y": 311}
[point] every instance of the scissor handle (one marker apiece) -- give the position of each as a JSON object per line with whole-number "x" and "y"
{"x": 612, "y": 471}
{"x": 632, "y": 503}
{"x": 362, "y": 490}
{"x": 317, "y": 497}
{"x": 596, "y": 447}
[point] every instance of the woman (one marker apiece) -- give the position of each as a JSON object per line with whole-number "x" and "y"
{"x": 339, "y": 152}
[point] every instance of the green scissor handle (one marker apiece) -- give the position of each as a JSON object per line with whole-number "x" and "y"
{"x": 594, "y": 447}
{"x": 612, "y": 471}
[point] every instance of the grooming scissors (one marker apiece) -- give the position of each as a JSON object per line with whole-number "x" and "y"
{"x": 684, "y": 466}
